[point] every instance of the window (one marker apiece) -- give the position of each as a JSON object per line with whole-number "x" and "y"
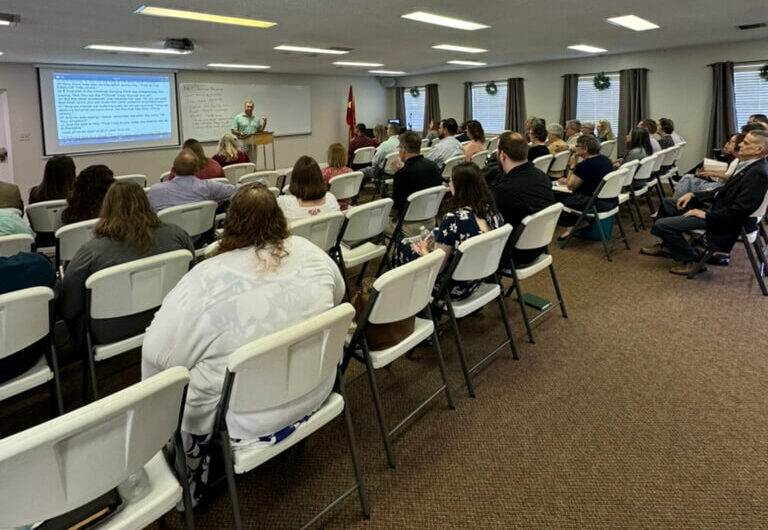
{"x": 490, "y": 110}
{"x": 595, "y": 105}
{"x": 414, "y": 108}
{"x": 751, "y": 92}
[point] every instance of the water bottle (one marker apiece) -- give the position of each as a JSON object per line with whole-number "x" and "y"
{"x": 135, "y": 486}
{"x": 423, "y": 232}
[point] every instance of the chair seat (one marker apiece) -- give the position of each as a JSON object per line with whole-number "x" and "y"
{"x": 561, "y": 188}
{"x": 164, "y": 495}
{"x": 361, "y": 254}
{"x": 38, "y": 375}
{"x": 652, "y": 182}
{"x": 248, "y": 457}
{"x": 752, "y": 236}
{"x": 422, "y": 329}
{"x": 106, "y": 351}
{"x": 541, "y": 263}
{"x": 639, "y": 192}
{"x": 623, "y": 197}
{"x": 484, "y": 293}
{"x": 600, "y": 215}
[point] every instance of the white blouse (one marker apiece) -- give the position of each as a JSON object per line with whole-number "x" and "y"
{"x": 228, "y": 301}
{"x": 293, "y": 212}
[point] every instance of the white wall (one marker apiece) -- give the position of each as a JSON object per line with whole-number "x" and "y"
{"x": 329, "y": 100}
{"x": 679, "y": 84}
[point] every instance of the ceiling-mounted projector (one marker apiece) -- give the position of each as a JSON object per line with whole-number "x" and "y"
{"x": 180, "y": 44}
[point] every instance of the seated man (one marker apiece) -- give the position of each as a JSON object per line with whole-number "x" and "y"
{"x": 572, "y": 132}
{"x": 588, "y": 127}
{"x": 186, "y": 187}
{"x": 729, "y": 209}
{"x": 360, "y": 140}
{"x": 448, "y": 146}
{"x": 386, "y": 148}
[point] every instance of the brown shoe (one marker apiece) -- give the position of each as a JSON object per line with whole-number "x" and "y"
{"x": 686, "y": 268}
{"x": 655, "y": 250}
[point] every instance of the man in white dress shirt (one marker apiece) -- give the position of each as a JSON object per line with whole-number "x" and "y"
{"x": 448, "y": 146}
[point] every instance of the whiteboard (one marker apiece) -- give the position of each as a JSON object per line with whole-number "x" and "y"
{"x": 207, "y": 109}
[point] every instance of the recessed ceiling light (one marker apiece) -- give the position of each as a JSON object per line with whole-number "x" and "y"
{"x": 242, "y": 66}
{"x": 456, "y": 23}
{"x": 352, "y": 63}
{"x": 305, "y": 49}
{"x": 202, "y": 17}
{"x": 386, "y": 72}
{"x": 586, "y": 48}
{"x": 454, "y": 48}
{"x": 135, "y": 49}
{"x": 1, "y": 53}
{"x": 632, "y": 22}
{"x": 7, "y": 19}
{"x": 468, "y": 63}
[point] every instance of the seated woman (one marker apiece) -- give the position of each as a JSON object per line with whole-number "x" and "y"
{"x": 379, "y": 134}
{"x": 228, "y": 152}
{"x": 432, "y": 134}
{"x": 262, "y": 280}
{"x": 706, "y": 179}
{"x": 604, "y": 131}
{"x": 477, "y": 140}
{"x": 308, "y": 193}
{"x": 128, "y": 230}
{"x": 337, "y": 158}
{"x": 538, "y": 145}
{"x": 88, "y": 192}
{"x": 207, "y": 168}
{"x": 639, "y": 146}
{"x": 58, "y": 179}
{"x": 472, "y": 212}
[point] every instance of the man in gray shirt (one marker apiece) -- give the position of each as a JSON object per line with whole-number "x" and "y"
{"x": 186, "y": 187}
{"x": 448, "y": 146}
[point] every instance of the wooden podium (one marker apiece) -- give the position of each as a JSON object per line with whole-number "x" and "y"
{"x": 262, "y": 139}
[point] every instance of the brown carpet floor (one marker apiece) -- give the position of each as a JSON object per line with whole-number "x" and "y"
{"x": 645, "y": 409}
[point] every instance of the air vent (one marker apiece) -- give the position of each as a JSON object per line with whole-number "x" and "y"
{"x": 745, "y": 27}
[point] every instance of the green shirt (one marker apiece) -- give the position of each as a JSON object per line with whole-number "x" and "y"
{"x": 246, "y": 125}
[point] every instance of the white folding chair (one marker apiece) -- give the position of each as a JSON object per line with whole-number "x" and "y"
{"x": 234, "y": 171}
{"x": 15, "y": 243}
{"x": 139, "y": 179}
{"x": 26, "y": 317}
{"x": 390, "y": 161}
{"x": 465, "y": 143}
{"x": 165, "y": 176}
{"x": 45, "y": 216}
{"x": 425, "y": 151}
{"x": 450, "y": 164}
{"x": 269, "y": 178}
{"x": 609, "y": 188}
{"x": 278, "y": 369}
{"x": 220, "y": 180}
{"x": 667, "y": 168}
{"x": 364, "y": 223}
{"x": 363, "y": 155}
{"x": 642, "y": 183}
{"x": 559, "y": 163}
{"x": 608, "y": 148}
{"x": 653, "y": 183}
{"x": 69, "y": 239}
{"x": 124, "y": 290}
{"x": 479, "y": 158}
{"x": 475, "y": 260}
{"x": 397, "y": 295}
{"x": 543, "y": 162}
{"x": 62, "y": 464}
{"x": 626, "y": 197}
{"x": 425, "y": 142}
{"x": 493, "y": 144}
{"x": 534, "y": 232}
{"x": 322, "y": 229}
{"x": 196, "y": 218}
{"x": 346, "y": 185}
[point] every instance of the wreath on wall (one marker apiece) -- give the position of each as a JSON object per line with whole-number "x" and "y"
{"x": 601, "y": 81}
{"x": 764, "y": 73}
{"x": 414, "y": 91}
{"x": 491, "y": 88}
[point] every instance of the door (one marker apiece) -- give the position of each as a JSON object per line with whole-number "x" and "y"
{"x": 6, "y": 168}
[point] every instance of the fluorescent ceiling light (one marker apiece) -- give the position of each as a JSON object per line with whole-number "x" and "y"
{"x": 243, "y": 66}
{"x": 386, "y": 72}
{"x": 135, "y": 49}
{"x": 454, "y": 48}
{"x": 468, "y": 63}
{"x": 5, "y": 22}
{"x": 305, "y": 49}
{"x": 6, "y": 19}
{"x": 586, "y": 48}
{"x": 1, "y": 53}
{"x": 456, "y": 23}
{"x": 632, "y": 22}
{"x": 352, "y": 63}
{"x": 202, "y": 17}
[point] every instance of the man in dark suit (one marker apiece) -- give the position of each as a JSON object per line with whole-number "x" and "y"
{"x": 722, "y": 212}
{"x": 521, "y": 191}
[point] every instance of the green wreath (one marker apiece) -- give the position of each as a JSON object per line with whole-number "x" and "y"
{"x": 414, "y": 91}
{"x": 764, "y": 73}
{"x": 601, "y": 82}
{"x": 491, "y": 88}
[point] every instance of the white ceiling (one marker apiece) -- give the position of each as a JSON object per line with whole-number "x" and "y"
{"x": 55, "y": 31}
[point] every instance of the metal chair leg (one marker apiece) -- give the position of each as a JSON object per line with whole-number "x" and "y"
{"x": 621, "y": 230}
{"x": 180, "y": 463}
{"x": 362, "y": 492}
{"x": 570, "y": 235}
{"x": 639, "y": 213}
{"x": 557, "y": 291}
{"x": 226, "y": 451}
{"x": 460, "y": 348}
{"x": 700, "y": 265}
{"x": 92, "y": 366}
{"x": 377, "y": 405}
{"x": 603, "y": 240}
{"x": 441, "y": 364}
{"x": 519, "y": 290}
{"x": 756, "y": 267}
{"x": 505, "y": 320}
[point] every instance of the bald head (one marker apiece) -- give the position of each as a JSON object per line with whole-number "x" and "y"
{"x": 185, "y": 163}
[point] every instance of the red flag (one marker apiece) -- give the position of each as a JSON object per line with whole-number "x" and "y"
{"x": 351, "y": 122}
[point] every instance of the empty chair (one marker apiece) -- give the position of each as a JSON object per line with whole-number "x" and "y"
{"x": 141, "y": 180}
{"x": 479, "y": 158}
{"x": 196, "y": 218}
{"x": 62, "y": 464}
{"x": 45, "y": 217}
{"x": 233, "y": 172}
{"x": 559, "y": 163}
{"x": 15, "y": 243}
{"x": 69, "y": 239}
{"x": 322, "y": 229}
{"x": 275, "y": 370}
{"x": 363, "y": 156}
{"x": 450, "y": 164}
{"x": 269, "y": 178}
{"x": 346, "y": 185}
{"x": 608, "y": 148}
{"x": 364, "y": 223}
{"x": 543, "y": 162}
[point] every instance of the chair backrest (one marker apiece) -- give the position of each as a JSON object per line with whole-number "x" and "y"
{"x": 269, "y": 178}
{"x": 211, "y": 249}
{"x": 493, "y": 143}
{"x": 537, "y": 230}
{"x": 680, "y": 149}
{"x": 46, "y": 216}
{"x": 390, "y": 160}
{"x": 234, "y": 171}
{"x": 136, "y": 286}
{"x": 479, "y": 158}
{"x": 24, "y": 319}
{"x": 363, "y": 155}
{"x": 612, "y": 184}
{"x": 465, "y": 143}
{"x": 220, "y": 180}
{"x": 290, "y": 363}
{"x": 670, "y": 155}
{"x": 450, "y": 164}
{"x": 631, "y": 168}
{"x": 479, "y": 256}
{"x": 275, "y": 191}
{"x": 761, "y": 210}
{"x": 69, "y": 238}
{"x": 62, "y": 464}
{"x": 660, "y": 156}
{"x": 346, "y": 185}
{"x": 543, "y": 162}
{"x": 607, "y": 148}
{"x": 560, "y": 161}
{"x": 195, "y": 217}
{"x": 645, "y": 168}
{"x": 139, "y": 179}
{"x": 322, "y": 230}
{"x": 287, "y": 177}
{"x": 425, "y": 142}
{"x": 424, "y": 204}
{"x": 406, "y": 290}
{"x": 425, "y": 151}
{"x": 15, "y": 243}
{"x": 165, "y": 176}
{"x": 367, "y": 220}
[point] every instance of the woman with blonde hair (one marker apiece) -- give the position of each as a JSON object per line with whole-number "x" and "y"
{"x": 308, "y": 194}
{"x": 207, "y": 168}
{"x": 379, "y": 134}
{"x": 228, "y": 152}
{"x": 337, "y": 165}
{"x": 604, "y": 131}
{"x": 262, "y": 280}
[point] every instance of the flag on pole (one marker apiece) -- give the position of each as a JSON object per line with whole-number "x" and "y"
{"x": 351, "y": 122}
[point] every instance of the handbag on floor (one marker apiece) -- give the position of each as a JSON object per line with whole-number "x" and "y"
{"x": 380, "y": 336}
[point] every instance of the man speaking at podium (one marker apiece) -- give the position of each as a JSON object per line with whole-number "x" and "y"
{"x": 244, "y": 125}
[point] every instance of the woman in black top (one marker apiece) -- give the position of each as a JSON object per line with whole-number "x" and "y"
{"x": 538, "y": 142}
